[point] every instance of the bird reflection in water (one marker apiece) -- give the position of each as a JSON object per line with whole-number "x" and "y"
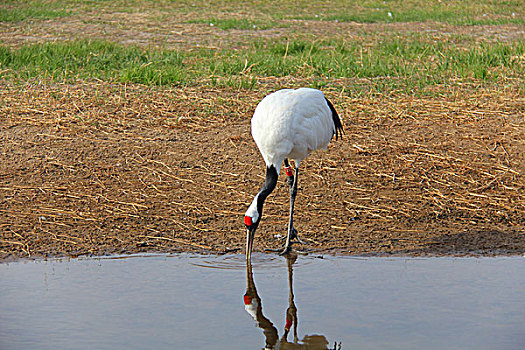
{"x": 253, "y": 305}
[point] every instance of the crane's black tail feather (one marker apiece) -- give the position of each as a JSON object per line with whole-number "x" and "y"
{"x": 337, "y": 121}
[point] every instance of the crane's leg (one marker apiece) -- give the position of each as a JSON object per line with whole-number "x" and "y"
{"x": 292, "y": 232}
{"x": 293, "y": 193}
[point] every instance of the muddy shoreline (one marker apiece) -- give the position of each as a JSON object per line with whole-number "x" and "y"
{"x": 98, "y": 168}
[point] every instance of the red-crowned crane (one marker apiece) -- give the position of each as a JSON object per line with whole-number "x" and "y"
{"x": 288, "y": 125}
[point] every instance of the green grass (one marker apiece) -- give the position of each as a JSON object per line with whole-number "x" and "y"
{"x": 93, "y": 59}
{"x": 14, "y": 11}
{"x": 443, "y": 16}
{"x": 466, "y": 12}
{"x": 484, "y": 12}
{"x": 403, "y": 63}
{"x": 393, "y": 11}
{"x": 316, "y": 52}
{"x": 265, "y": 14}
{"x": 399, "y": 58}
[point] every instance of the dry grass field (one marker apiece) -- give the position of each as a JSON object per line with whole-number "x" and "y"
{"x": 126, "y": 128}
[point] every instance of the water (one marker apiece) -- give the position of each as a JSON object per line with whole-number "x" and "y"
{"x": 208, "y": 302}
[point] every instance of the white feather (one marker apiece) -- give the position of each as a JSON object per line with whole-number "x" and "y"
{"x": 291, "y": 124}
{"x": 252, "y": 210}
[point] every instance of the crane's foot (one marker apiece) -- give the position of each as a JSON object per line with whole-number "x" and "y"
{"x": 294, "y": 238}
{"x": 287, "y": 250}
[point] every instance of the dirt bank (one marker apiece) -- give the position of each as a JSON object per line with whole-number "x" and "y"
{"x": 98, "y": 168}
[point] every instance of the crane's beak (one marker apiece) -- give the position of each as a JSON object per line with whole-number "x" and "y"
{"x": 250, "y": 233}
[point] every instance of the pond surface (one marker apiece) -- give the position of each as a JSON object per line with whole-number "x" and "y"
{"x": 216, "y": 302}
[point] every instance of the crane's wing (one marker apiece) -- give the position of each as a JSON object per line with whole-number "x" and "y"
{"x": 337, "y": 121}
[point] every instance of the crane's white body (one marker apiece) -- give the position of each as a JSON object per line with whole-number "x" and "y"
{"x": 288, "y": 125}
{"x": 291, "y": 124}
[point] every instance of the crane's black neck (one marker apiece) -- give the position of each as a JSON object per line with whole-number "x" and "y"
{"x": 268, "y": 186}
